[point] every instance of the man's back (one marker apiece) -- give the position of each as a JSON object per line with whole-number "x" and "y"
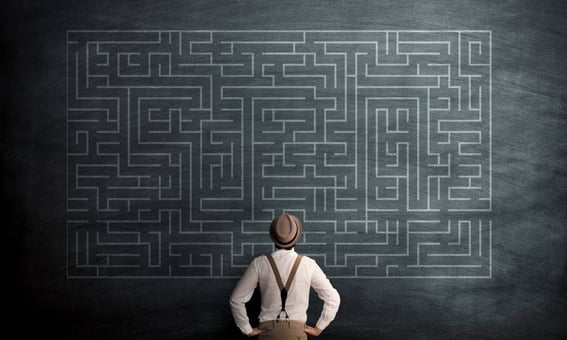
{"x": 308, "y": 275}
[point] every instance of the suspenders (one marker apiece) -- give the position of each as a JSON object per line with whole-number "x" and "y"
{"x": 284, "y": 289}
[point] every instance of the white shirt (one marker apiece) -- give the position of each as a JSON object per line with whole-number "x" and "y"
{"x": 309, "y": 274}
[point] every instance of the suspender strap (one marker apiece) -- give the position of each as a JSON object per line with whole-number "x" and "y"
{"x": 276, "y": 271}
{"x": 284, "y": 289}
{"x": 292, "y": 272}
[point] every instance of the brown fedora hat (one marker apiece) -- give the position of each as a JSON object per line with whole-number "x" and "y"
{"x": 285, "y": 230}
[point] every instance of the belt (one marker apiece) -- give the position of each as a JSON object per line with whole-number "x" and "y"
{"x": 282, "y": 323}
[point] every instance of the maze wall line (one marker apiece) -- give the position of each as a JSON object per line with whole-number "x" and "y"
{"x": 184, "y": 145}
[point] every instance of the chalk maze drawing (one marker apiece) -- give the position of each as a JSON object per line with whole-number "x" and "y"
{"x": 183, "y": 145}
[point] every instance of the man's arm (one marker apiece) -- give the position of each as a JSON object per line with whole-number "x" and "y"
{"x": 241, "y": 294}
{"x": 331, "y": 300}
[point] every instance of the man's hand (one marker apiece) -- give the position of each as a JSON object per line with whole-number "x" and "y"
{"x": 255, "y": 331}
{"x": 313, "y": 331}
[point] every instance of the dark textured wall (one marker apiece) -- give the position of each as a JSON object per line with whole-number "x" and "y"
{"x": 525, "y": 298}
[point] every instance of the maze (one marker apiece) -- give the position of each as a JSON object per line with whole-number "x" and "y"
{"x": 184, "y": 145}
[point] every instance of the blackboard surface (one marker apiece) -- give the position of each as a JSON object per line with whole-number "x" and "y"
{"x": 524, "y": 298}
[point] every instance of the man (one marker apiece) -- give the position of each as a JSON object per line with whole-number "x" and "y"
{"x": 284, "y": 307}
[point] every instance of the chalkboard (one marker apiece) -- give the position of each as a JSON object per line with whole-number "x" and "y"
{"x": 345, "y": 104}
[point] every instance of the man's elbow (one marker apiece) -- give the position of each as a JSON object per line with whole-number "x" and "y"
{"x": 337, "y": 296}
{"x": 234, "y": 302}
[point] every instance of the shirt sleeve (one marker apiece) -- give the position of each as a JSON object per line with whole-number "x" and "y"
{"x": 329, "y": 295}
{"x": 241, "y": 294}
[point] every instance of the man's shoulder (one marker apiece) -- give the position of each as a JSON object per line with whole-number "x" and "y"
{"x": 307, "y": 259}
{"x": 259, "y": 258}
